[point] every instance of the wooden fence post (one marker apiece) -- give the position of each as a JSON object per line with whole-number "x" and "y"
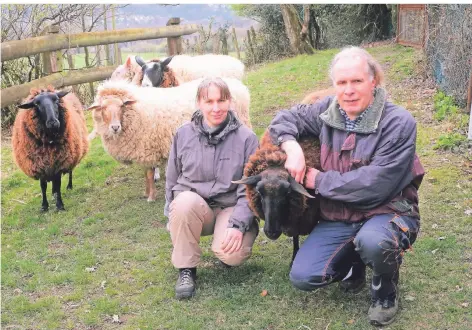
{"x": 235, "y": 41}
{"x": 469, "y": 105}
{"x": 251, "y": 49}
{"x": 52, "y": 61}
{"x": 105, "y": 28}
{"x": 116, "y": 54}
{"x": 174, "y": 44}
{"x": 70, "y": 60}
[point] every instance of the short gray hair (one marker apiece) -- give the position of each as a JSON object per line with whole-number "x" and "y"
{"x": 375, "y": 70}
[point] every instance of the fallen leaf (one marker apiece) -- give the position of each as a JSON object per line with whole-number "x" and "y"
{"x": 468, "y": 212}
{"x": 434, "y": 226}
{"x": 17, "y": 291}
{"x": 434, "y": 251}
{"x": 90, "y": 269}
{"x": 264, "y": 293}
{"x": 116, "y": 319}
{"x": 465, "y": 305}
{"x": 350, "y": 321}
{"x": 409, "y": 298}
{"x": 458, "y": 288}
{"x": 102, "y": 285}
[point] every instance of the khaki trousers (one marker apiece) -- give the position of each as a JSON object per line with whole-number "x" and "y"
{"x": 190, "y": 217}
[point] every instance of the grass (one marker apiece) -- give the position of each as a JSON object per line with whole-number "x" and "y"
{"x": 109, "y": 253}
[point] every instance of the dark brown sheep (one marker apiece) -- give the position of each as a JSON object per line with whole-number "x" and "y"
{"x": 274, "y": 196}
{"x": 318, "y": 95}
{"x": 49, "y": 138}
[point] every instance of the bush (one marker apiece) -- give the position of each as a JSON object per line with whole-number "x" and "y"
{"x": 444, "y": 106}
{"x": 449, "y": 141}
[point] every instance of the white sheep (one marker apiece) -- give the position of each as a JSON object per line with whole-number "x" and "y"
{"x": 137, "y": 124}
{"x": 185, "y": 68}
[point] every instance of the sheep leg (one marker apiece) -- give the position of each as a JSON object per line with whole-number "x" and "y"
{"x": 157, "y": 176}
{"x": 296, "y": 247}
{"x": 69, "y": 185}
{"x": 146, "y": 192}
{"x": 56, "y": 186}
{"x": 44, "y": 186}
{"x": 151, "y": 185}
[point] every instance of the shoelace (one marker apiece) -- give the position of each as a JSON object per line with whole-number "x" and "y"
{"x": 385, "y": 303}
{"x": 186, "y": 276}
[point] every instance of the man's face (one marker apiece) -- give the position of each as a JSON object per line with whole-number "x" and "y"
{"x": 353, "y": 84}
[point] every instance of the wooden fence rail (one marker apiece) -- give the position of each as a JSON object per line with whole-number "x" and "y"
{"x": 11, "y": 50}
{"x": 14, "y": 94}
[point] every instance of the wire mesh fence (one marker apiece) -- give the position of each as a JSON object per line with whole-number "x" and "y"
{"x": 448, "y": 48}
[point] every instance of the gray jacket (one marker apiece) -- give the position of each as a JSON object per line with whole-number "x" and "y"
{"x": 207, "y": 164}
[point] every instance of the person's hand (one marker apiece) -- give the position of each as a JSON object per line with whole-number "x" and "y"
{"x": 233, "y": 240}
{"x": 310, "y": 178}
{"x": 295, "y": 163}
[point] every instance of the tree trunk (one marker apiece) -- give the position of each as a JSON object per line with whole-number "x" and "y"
{"x": 224, "y": 42}
{"x": 293, "y": 30}
{"x": 306, "y": 23}
{"x": 317, "y": 33}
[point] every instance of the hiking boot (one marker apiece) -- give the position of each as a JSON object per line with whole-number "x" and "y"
{"x": 356, "y": 281}
{"x": 383, "y": 311}
{"x": 385, "y": 295}
{"x": 186, "y": 284}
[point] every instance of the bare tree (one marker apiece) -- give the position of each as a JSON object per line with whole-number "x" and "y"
{"x": 293, "y": 29}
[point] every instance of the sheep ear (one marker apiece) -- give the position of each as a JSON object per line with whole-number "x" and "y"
{"x": 299, "y": 188}
{"x": 166, "y": 61}
{"x": 128, "y": 62}
{"x": 63, "y": 93}
{"x": 94, "y": 106}
{"x": 140, "y": 61}
{"x": 27, "y": 105}
{"x": 251, "y": 180}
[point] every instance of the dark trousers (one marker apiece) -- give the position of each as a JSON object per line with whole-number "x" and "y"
{"x": 332, "y": 248}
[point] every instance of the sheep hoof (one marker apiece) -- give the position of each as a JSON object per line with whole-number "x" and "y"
{"x": 60, "y": 207}
{"x": 69, "y": 187}
{"x": 151, "y": 199}
{"x": 44, "y": 208}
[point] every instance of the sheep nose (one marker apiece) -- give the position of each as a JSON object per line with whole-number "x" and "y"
{"x": 52, "y": 123}
{"x": 273, "y": 235}
{"x": 115, "y": 127}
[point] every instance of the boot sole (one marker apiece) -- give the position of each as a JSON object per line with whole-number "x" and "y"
{"x": 380, "y": 324}
{"x": 184, "y": 295}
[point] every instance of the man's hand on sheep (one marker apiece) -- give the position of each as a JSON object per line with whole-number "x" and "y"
{"x": 295, "y": 163}
{"x": 233, "y": 240}
{"x": 310, "y": 178}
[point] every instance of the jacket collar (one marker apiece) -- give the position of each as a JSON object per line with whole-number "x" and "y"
{"x": 369, "y": 123}
{"x": 232, "y": 124}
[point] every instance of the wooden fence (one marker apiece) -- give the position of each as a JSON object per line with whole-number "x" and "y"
{"x": 52, "y": 42}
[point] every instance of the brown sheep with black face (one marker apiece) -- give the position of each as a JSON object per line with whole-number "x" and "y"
{"x": 50, "y": 138}
{"x": 274, "y": 196}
